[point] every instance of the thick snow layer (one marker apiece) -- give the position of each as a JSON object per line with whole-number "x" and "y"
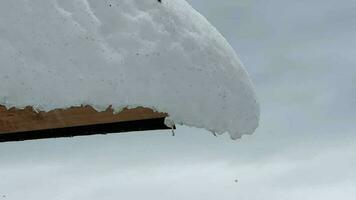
{"x": 62, "y": 53}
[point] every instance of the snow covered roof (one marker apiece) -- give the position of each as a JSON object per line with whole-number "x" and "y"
{"x": 165, "y": 56}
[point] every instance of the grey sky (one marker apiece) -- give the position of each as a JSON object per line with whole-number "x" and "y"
{"x": 301, "y": 56}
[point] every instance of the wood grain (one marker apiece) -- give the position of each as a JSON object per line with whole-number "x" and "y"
{"x": 22, "y": 120}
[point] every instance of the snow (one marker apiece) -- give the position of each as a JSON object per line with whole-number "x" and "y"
{"x": 166, "y": 56}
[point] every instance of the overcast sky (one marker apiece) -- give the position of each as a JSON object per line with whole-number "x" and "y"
{"x": 301, "y": 56}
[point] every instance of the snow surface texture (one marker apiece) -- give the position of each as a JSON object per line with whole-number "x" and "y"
{"x": 166, "y": 56}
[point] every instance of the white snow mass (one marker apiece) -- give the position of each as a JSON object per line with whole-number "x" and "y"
{"x": 166, "y": 56}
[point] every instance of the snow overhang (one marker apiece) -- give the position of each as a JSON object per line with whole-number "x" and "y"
{"x": 56, "y": 55}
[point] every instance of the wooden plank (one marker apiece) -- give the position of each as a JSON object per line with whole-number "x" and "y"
{"x": 14, "y": 121}
{"x": 116, "y": 127}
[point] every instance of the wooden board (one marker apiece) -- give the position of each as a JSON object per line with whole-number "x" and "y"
{"x": 22, "y": 124}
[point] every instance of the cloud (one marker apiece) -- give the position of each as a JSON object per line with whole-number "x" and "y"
{"x": 304, "y": 171}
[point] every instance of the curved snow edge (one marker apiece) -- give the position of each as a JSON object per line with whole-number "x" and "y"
{"x": 58, "y": 54}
